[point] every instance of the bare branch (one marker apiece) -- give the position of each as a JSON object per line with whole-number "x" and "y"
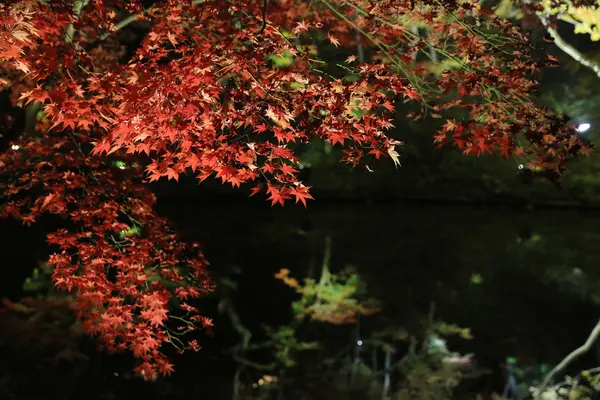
{"x": 578, "y": 352}
{"x": 570, "y": 50}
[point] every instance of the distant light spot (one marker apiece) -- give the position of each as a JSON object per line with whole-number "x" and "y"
{"x": 583, "y": 127}
{"x": 360, "y": 342}
{"x": 476, "y": 279}
{"x": 15, "y": 147}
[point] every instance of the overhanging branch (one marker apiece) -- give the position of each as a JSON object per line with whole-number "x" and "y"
{"x": 570, "y": 50}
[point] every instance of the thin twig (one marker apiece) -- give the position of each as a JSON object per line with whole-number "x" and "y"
{"x": 264, "y": 16}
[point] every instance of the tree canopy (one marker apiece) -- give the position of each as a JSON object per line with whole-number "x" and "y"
{"x": 230, "y": 89}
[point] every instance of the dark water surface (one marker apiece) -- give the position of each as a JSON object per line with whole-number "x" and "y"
{"x": 523, "y": 280}
{"x": 539, "y": 269}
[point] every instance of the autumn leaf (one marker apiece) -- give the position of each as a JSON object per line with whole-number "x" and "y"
{"x": 172, "y": 39}
{"x": 301, "y": 27}
{"x": 254, "y": 190}
{"x": 171, "y": 174}
{"x": 288, "y": 169}
{"x": 394, "y": 155}
{"x": 166, "y": 368}
{"x": 47, "y": 200}
{"x": 337, "y": 137}
{"x": 277, "y": 196}
{"x": 301, "y": 194}
{"x": 388, "y": 106}
{"x": 333, "y": 40}
{"x": 36, "y": 94}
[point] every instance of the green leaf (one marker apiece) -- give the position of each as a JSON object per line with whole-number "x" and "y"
{"x": 282, "y": 60}
{"x": 132, "y": 231}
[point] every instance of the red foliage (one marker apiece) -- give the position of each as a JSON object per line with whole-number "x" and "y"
{"x": 201, "y": 94}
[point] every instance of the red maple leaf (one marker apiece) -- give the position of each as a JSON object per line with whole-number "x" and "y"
{"x": 172, "y": 174}
{"x": 277, "y": 196}
{"x": 301, "y": 194}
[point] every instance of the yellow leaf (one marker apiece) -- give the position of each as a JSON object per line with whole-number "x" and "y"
{"x": 21, "y": 35}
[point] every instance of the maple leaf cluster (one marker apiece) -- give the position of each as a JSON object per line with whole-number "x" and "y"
{"x": 202, "y": 95}
{"x": 124, "y": 279}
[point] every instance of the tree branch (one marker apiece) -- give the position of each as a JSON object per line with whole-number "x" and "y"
{"x": 578, "y": 352}
{"x": 132, "y": 18}
{"x": 123, "y": 23}
{"x": 78, "y": 5}
{"x": 570, "y": 50}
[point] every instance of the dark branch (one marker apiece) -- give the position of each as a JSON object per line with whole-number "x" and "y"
{"x": 264, "y": 16}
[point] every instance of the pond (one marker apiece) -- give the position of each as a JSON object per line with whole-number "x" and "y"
{"x": 526, "y": 281}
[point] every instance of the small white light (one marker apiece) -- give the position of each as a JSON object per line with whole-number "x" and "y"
{"x": 583, "y": 127}
{"x": 359, "y": 343}
{"x": 15, "y": 147}
{"x": 521, "y": 166}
